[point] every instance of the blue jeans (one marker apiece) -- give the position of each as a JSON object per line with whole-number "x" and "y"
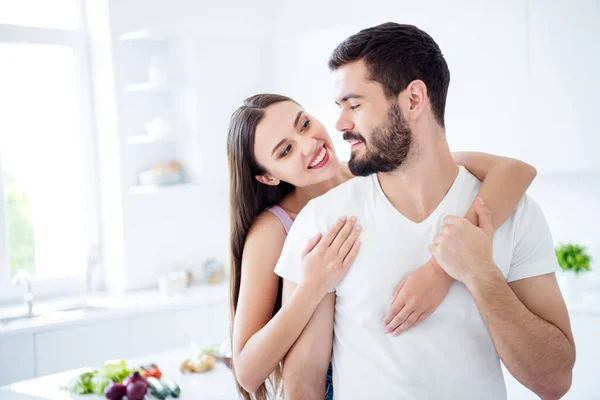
{"x": 329, "y": 384}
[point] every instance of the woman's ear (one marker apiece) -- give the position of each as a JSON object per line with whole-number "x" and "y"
{"x": 267, "y": 180}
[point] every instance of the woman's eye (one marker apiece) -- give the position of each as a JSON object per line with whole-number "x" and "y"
{"x": 354, "y": 106}
{"x": 287, "y": 150}
{"x": 305, "y": 125}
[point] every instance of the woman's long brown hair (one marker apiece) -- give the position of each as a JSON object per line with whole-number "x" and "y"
{"x": 247, "y": 199}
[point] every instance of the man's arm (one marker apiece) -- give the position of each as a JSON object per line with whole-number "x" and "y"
{"x": 530, "y": 327}
{"x": 527, "y": 318}
{"x": 305, "y": 365}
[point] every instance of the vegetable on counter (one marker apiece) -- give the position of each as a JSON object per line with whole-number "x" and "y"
{"x": 99, "y": 383}
{"x": 172, "y": 387}
{"x": 157, "y": 389}
{"x": 150, "y": 370}
{"x": 81, "y": 384}
{"x": 136, "y": 387}
{"x": 203, "y": 363}
{"x": 115, "y": 381}
{"x": 116, "y": 391}
{"x": 115, "y": 371}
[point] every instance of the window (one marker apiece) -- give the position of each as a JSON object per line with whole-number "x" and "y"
{"x": 48, "y": 206}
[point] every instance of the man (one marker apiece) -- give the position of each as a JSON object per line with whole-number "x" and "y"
{"x": 391, "y": 84}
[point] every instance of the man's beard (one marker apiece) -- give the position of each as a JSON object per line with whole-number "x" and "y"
{"x": 388, "y": 149}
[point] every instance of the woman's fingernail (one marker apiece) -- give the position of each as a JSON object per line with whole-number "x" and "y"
{"x": 358, "y": 227}
{"x": 353, "y": 218}
{"x": 480, "y": 200}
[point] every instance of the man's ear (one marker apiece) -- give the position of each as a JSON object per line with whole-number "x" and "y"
{"x": 267, "y": 180}
{"x": 417, "y": 97}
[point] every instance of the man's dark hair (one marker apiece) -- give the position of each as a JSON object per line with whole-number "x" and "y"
{"x": 395, "y": 55}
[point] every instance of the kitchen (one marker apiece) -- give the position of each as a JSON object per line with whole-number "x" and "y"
{"x": 122, "y": 236}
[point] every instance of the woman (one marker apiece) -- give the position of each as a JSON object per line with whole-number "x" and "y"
{"x": 277, "y": 165}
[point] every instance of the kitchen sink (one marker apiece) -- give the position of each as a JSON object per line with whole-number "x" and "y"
{"x": 54, "y": 313}
{"x": 8, "y": 320}
{"x": 82, "y": 307}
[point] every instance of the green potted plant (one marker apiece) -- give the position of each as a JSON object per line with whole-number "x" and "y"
{"x": 573, "y": 260}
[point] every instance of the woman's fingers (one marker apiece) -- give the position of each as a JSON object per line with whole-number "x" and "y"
{"x": 332, "y": 233}
{"x": 351, "y": 256}
{"x": 311, "y": 244}
{"x": 349, "y": 242}
{"x": 343, "y": 235}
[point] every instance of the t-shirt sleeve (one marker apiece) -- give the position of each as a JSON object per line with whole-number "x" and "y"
{"x": 289, "y": 265}
{"x": 533, "y": 247}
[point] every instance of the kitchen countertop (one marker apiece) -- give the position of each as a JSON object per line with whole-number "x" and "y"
{"x": 218, "y": 384}
{"x": 112, "y": 307}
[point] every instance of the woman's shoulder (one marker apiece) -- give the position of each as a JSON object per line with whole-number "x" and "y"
{"x": 267, "y": 225}
{"x": 264, "y": 242}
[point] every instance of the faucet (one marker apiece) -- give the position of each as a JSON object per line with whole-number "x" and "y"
{"x": 93, "y": 260}
{"x": 22, "y": 276}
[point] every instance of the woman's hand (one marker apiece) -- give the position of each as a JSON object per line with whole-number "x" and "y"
{"x": 416, "y": 297}
{"x": 326, "y": 259}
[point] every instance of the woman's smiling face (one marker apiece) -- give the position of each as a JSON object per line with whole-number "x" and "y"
{"x": 293, "y": 147}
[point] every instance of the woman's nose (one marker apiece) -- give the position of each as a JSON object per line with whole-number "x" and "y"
{"x": 308, "y": 145}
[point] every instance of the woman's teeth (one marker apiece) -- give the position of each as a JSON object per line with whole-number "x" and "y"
{"x": 319, "y": 158}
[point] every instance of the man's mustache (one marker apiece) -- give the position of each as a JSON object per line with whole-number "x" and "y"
{"x": 349, "y": 135}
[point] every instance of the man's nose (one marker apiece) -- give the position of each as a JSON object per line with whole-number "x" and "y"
{"x": 344, "y": 122}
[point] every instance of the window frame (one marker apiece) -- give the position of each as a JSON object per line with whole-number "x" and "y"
{"x": 78, "y": 40}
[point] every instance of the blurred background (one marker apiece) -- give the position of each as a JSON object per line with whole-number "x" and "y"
{"x": 114, "y": 184}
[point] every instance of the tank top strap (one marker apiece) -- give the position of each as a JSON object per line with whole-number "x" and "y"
{"x": 284, "y": 217}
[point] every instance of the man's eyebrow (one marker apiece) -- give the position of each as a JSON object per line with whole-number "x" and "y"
{"x": 348, "y": 97}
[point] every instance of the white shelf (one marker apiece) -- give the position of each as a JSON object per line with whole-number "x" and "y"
{"x": 141, "y": 36}
{"x": 146, "y": 87}
{"x": 154, "y": 189}
{"x": 147, "y": 139}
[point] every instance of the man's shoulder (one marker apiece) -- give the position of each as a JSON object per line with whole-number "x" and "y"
{"x": 354, "y": 189}
{"x": 343, "y": 200}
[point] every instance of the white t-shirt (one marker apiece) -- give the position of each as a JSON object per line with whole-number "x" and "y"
{"x": 450, "y": 355}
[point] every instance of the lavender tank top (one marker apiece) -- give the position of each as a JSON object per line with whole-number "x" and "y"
{"x": 285, "y": 219}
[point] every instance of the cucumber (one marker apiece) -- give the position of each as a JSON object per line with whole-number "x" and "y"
{"x": 157, "y": 389}
{"x": 172, "y": 387}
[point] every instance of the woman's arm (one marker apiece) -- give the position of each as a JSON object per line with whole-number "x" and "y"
{"x": 259, "y": 341}
{"x": 418, "y": 295}
{"x": 504, "y": 182}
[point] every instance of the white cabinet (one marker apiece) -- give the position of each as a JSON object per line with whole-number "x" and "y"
{"x": 16, "y": 359}
{"x": 170, "y": 329}
{"x": 82, "y": 346}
